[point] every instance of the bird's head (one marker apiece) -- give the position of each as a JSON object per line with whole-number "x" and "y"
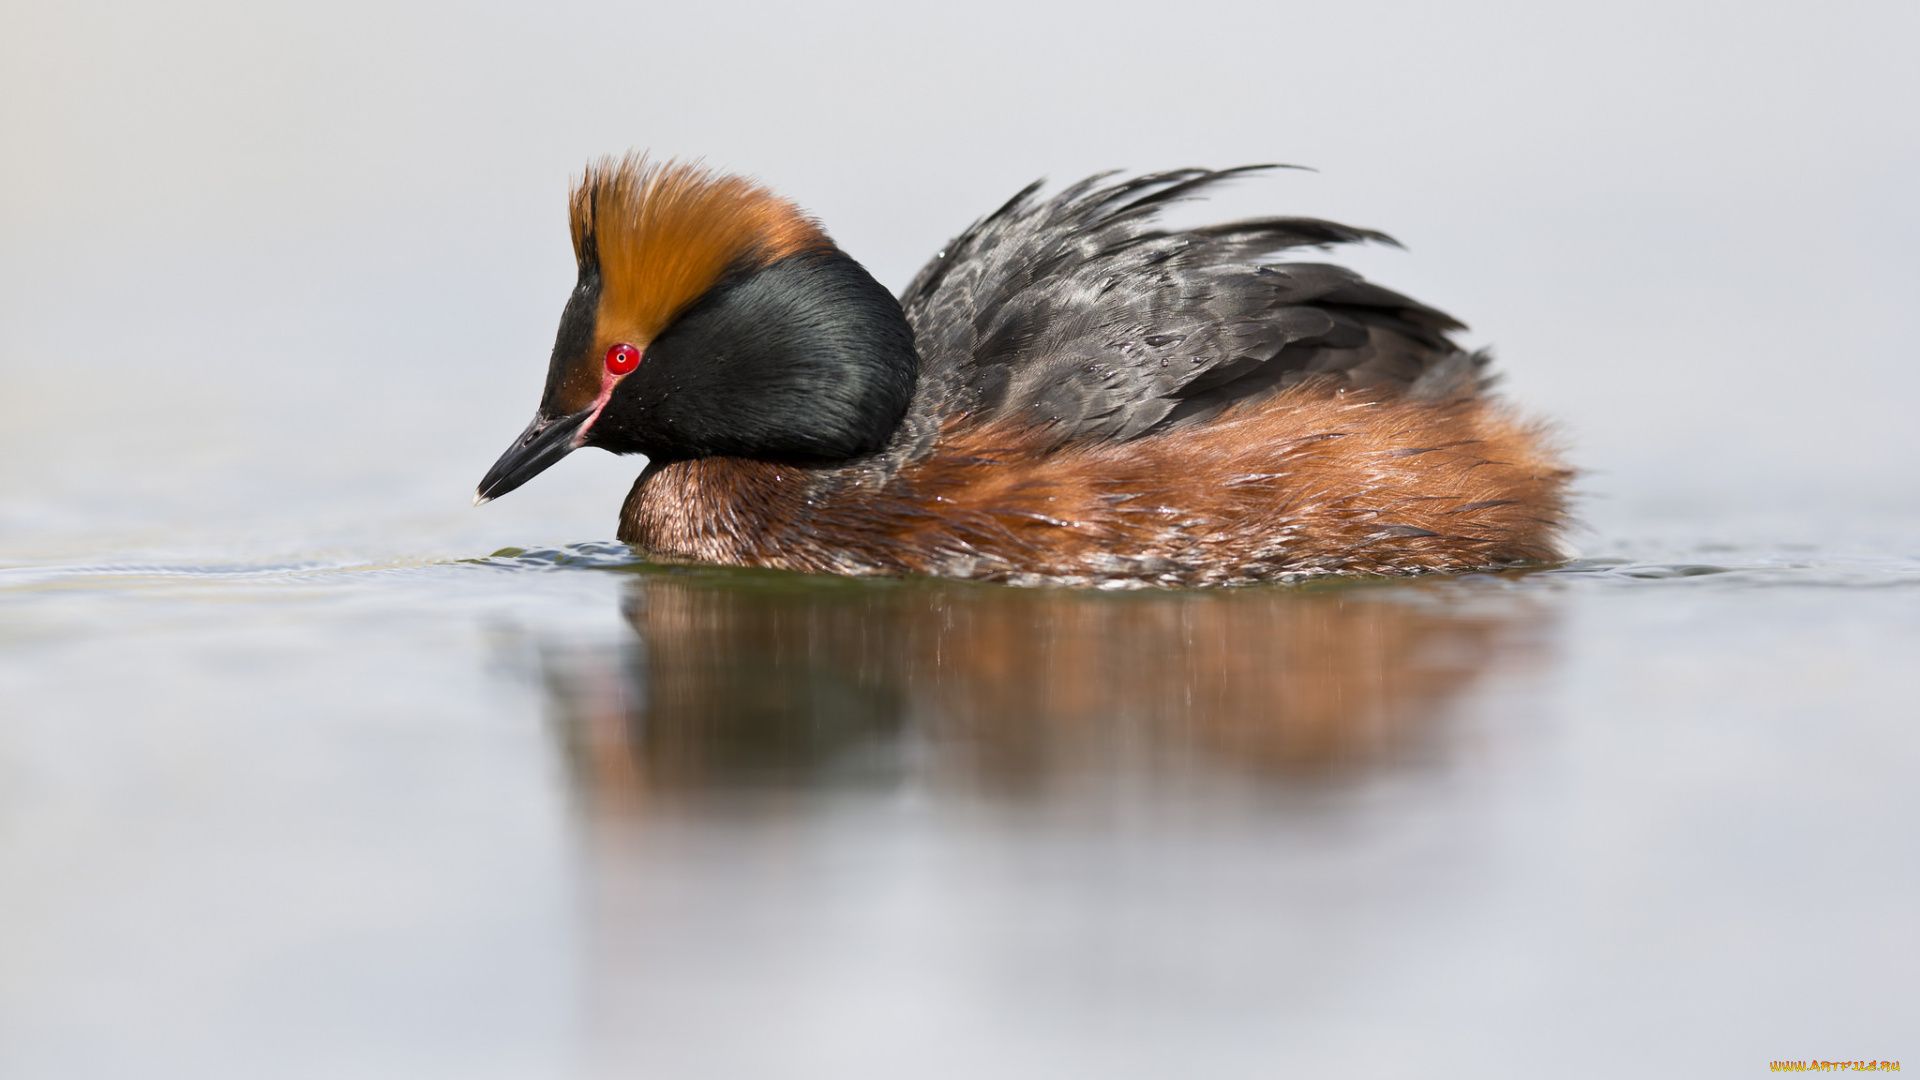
{"x": 712, "y": 318}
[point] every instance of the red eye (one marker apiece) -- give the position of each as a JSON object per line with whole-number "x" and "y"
{"x": 622, "y": 358}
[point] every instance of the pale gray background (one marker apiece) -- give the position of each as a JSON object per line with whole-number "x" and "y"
{"x": 237, "y": 230}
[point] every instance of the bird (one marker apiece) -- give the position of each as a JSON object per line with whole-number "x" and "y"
{"x": 1069, "y": 393}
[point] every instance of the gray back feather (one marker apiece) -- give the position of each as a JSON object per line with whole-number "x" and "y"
{"x": 1076, "y": 312}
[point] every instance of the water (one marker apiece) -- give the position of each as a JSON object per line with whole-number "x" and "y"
{"x": 556, "y": 812}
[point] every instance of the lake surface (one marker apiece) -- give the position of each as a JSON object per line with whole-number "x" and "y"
{"x": 552, "y": 812}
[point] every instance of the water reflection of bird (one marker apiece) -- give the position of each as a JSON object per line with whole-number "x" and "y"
{"x": 1067, "y": 393}
{"x": 731, "y": 682}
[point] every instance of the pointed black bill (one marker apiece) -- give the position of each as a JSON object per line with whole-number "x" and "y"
{"x": 544, "y": 442}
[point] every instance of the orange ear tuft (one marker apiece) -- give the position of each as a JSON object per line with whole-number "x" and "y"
{"x": 663, "y": 234}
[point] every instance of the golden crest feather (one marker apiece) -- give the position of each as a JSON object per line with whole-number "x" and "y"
{"x": 662, "y": 234}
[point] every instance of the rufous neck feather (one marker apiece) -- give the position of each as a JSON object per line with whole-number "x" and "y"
{"x": 660, "y": 235}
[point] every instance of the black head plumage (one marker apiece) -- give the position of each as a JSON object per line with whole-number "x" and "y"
{"x": 808, "y": 359}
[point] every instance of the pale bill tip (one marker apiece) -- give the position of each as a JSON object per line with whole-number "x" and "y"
{"x": 480, "y": 500}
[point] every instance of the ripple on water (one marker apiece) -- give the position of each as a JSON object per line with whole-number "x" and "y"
{"x": 592, "y": 554}
{"x": 1785, "y": 566}
{"x": 1766, "y": 570}
{"x": 1760, "y": 567}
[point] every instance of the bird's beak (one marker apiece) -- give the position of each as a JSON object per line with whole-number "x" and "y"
{"x": 545, "y": 441}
